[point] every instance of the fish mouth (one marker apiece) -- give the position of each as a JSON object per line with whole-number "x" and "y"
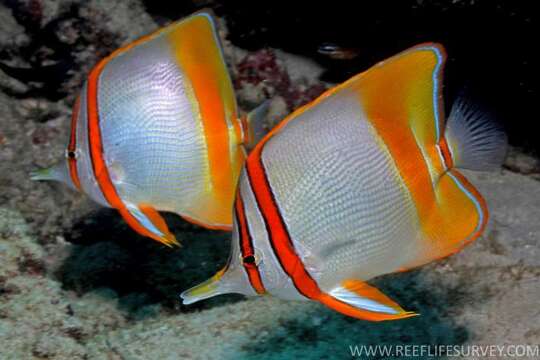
{"x": 205, "y": 290}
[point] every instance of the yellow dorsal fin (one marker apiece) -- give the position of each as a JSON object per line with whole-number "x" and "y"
{"x": 196, "y": 48}
{"x": 407, "y": 88}
{"x": 401, "y": 97}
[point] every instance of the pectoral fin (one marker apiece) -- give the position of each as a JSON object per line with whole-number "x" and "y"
{"x": 358, "y": 299}
{"x": 154, "y": 224}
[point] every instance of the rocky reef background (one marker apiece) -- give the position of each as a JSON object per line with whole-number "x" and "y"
{"x": 77, "y": 283}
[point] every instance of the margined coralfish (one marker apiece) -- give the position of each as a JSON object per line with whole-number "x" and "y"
{"x": 156, "y": 128}
{"x": 361, "y": 182}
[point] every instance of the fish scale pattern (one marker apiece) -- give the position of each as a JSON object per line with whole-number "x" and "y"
{"x": 340, "y": 194}
{"x": 151, "y": 129}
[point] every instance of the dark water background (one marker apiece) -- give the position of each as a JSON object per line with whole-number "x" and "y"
{"x": 490, "y": 43}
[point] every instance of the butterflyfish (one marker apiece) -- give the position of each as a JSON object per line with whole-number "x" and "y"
{"x": 363, "y": 181}
{"x": 156, "y": 128}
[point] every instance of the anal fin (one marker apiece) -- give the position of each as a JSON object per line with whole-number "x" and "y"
{"x": 153, "y": 223}
{"x": 360, "y": 300}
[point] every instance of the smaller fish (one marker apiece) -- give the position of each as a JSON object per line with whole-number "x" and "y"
{"x": 336, "y": 52}
{"x": 156, "y": 128}
{"x": 361, "y": 182}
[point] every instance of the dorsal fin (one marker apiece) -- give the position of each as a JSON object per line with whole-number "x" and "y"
{"x": 401, "y": 97}
{"x": 407, "y": 88}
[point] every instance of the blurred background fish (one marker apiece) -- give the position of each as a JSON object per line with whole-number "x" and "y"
{"x": 156, "y": 127}
{"x": 337, "y": 52}
{"x": 359, "y": 183}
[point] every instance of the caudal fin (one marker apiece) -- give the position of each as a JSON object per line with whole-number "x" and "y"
{"x": 475, "y": 140}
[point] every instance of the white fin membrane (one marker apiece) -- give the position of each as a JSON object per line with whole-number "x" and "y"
{"x": 360, "y": 302}
{"x": 475, "y": 140}
{"x": 144, "y": 220}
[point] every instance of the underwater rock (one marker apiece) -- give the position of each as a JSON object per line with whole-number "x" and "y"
{"x": 32, "y": 134}
{"x": 11, "y": 33}
{"x": 37, "y": 317}
{"x": 263, "y": 74}
{"x": 518, "y": 161}
{"x": 52, "y": 44}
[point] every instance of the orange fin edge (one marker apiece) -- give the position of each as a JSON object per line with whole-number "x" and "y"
{"x": 205, "y": 225}
{"x": 153, "y": 215}
{"x": 342, "y": 299}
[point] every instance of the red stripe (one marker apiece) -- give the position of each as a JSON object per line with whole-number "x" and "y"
{"x": 246, "y": 247}
{"x": 101, "y": 173}
{"x": 277, "y": 230}
{"x": 284, "y": 249}
{"x": 72, "y": 146}
{"x": 447, "y": 157}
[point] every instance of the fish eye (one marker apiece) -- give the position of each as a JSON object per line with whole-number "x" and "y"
{"x": 71, "y": 154}
{"x": 249, "y": 260}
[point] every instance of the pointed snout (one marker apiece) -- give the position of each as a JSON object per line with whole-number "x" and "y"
{"x": 205, "y": 290}
{"x": 230, "y": 279}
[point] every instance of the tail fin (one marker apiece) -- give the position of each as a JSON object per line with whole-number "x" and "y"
{"x": 475, "y": 140}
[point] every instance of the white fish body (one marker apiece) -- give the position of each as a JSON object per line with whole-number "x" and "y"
{"x": 156, "y": 128}
{"x": 360, "y": 183}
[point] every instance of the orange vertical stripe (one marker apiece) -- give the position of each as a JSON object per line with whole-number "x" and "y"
{"x": 407, "y": 119}
{"x": 197, "y": 52}
{"x": 246, "y": 247}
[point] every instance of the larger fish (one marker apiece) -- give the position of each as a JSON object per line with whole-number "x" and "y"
{"x": 156, "y": 127}
{"x": 360, "y": 183}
